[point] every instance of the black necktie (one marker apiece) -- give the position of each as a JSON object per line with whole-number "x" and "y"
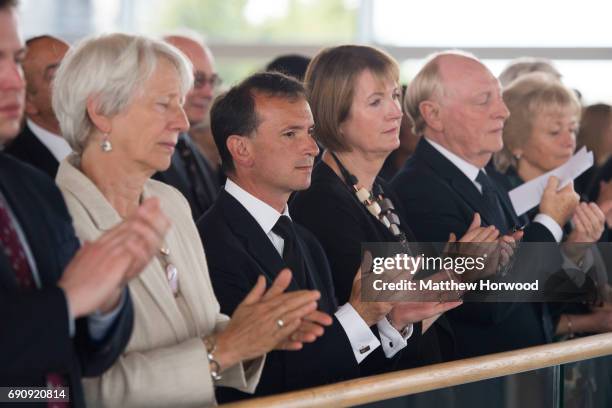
{"x": 490, "y": 195}
{"x": 291, "y": 252}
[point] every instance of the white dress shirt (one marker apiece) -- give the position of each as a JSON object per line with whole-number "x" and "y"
{"x": 362, "y": 339}
{"x": 56, "y": 144}
{"x": 471, "y": 172}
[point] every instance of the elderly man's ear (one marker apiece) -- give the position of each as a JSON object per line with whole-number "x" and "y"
{"x": 240, "y": 148}
{"x": 100, "y": 121}
{"x": 430, "y": 111}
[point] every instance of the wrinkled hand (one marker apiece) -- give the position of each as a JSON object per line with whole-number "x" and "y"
{"x": 588, "y": 220}
{"x": 588, "y": 223}
{"x": 476, "y": 242}
{"x": 97, "y": 274}
{"x": 559, "y": 205}
{"x": 253, "y": 329}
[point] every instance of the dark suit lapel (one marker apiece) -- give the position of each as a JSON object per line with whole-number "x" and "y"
{"x": 39, "y": 154}
{"x": 456, "y": 179}
{"x": 254, "y": 239}
{"x": 314, "y": 281}
{"x": 30, "y": 220}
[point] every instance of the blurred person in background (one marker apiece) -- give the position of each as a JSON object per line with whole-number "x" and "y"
{"x": 596, "y": 134}
{"x": 40, "y": 142}
{"x": 294, "y": 65}
{"x": 408, "y": 142}
{"x": 526, "y": 65}
{"x": 193, "y": 171}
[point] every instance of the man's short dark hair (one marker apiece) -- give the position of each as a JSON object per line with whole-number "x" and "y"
{"x": 233, "y": 112}
{"x": 293, "y": 65}
{"x": 5, "y": 4}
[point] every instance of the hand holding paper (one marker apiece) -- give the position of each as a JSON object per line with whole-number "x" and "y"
{"x": 529, "y": 195}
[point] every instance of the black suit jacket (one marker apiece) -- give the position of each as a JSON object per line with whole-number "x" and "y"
{"x": 237, "y": 252}
{"x": 437, "y": 199}
{"x": 199, "y": 189}
{"x": 27, "y": 148}
{"x": 35, "y": 334}
{"x": 330, "y": 210}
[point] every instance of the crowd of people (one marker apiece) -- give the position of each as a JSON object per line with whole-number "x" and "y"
{"x": 168, "y": 243}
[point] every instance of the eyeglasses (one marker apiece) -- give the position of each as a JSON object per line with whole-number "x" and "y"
{"x": 200, "y": 80}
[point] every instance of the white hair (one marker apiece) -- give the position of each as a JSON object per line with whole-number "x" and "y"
{"x": 112, "y": 68}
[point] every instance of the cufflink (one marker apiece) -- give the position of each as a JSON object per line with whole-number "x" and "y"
{"x": 364, "y": 349}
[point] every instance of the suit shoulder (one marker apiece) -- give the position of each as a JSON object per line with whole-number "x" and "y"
{"x": 417, "y": 180}
{"x": 26, "y": 175}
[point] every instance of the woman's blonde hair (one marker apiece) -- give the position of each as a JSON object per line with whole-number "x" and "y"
{"x": 526, "y": 98}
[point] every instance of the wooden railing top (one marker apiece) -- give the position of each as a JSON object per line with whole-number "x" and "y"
{"x": 412, "y": 381}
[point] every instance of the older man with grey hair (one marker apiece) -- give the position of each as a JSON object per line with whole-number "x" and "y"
{"x": 457, "y": 107}
{"x": 194, "y": 166}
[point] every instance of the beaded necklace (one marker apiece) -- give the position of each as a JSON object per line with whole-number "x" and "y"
{"x": 379, "y": 206}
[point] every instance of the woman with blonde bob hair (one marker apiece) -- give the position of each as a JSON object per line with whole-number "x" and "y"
{"x": 539, "y": 136}
{"x": 119, "y": 100}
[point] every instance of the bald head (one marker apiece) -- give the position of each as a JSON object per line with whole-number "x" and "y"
{"x": 455, "y": 69}
{"x": 199, "y": 99}
{"x": 43, "y": 56}
{"x": 464, "y": 112}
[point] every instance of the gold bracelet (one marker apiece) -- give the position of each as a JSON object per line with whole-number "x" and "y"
{"x": 570, "y": 326}
{"x": 210, "y": 342}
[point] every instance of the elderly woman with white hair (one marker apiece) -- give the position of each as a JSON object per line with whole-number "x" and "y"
{"x": 119, "y": 101}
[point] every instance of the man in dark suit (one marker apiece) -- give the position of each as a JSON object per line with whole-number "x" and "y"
{"x": 190, "y": 171}
{"x": 457, "y": 106}
{"x": 65, "y": 312}
{"x": 262, "y": 128}
{"x": 40, "y": 142}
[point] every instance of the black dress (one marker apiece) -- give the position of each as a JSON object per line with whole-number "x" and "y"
{"x": 330, "y": 210}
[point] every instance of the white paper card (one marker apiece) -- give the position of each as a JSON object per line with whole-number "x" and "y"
{"x": 528, "y": 195}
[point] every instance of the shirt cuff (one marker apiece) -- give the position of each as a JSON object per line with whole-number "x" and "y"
{"x": 392, "y": 340}
{"x": 362, "y": 340}
{"x": 551, "y": 225}
{"x": 99, "y": 323}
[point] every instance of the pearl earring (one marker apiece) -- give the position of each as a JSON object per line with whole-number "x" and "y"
{"x": 106, "y": 144}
